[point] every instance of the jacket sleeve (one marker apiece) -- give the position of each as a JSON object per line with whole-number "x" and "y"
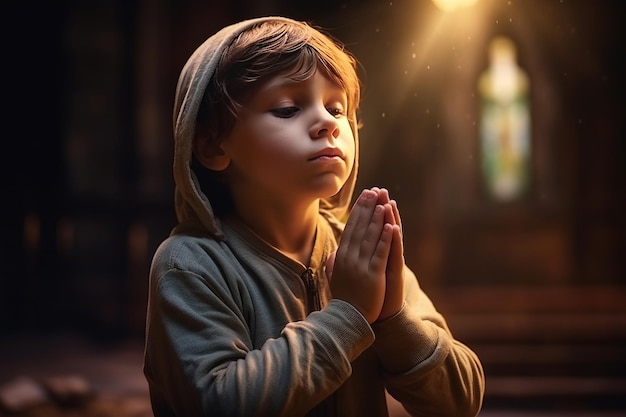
{"x": 426, "y": 369}
{"x": 201, "y": 360}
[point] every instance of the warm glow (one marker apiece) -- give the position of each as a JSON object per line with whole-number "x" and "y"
{"x": 451, "y": 5}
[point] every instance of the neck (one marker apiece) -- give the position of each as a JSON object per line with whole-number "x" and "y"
{"x": 289, "y": 227}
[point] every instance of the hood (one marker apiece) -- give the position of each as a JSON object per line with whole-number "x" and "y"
{"x": 192, "y": 205}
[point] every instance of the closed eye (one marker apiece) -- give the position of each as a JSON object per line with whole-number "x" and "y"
{"x": 285, "y": 112}
{"x": 336, "y": 111}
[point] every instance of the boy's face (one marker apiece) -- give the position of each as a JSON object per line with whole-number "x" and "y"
{"x": 292, "y": 141}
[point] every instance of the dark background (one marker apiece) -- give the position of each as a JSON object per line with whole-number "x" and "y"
{"x": 536, "y": 286}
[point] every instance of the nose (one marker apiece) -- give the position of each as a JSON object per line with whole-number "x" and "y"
{"x": 325, "y": 126}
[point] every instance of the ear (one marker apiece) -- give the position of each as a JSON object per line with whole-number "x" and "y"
{"x": 209, "y": 153}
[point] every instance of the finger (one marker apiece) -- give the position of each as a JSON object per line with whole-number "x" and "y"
{"x": 378, "y": 262}
{"x": 389, "y": 215}
{"x": 383, "y": 196}
{"x": 396, "y": 252}
{"x": 394, "y": 283}
{"x": 396, "y": 213}
{"x": 373, "y": 231}
{"x": 359, "y": 216}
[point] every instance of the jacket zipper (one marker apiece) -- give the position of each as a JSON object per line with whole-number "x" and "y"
{"x": 329, "y": 406}
{"x": 313, "y": 296}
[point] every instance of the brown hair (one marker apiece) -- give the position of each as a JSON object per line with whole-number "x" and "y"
{"x": 270, "y": 48}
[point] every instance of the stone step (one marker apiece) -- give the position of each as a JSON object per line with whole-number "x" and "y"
{"x": 551, "y": 351}
{"x": 555, "y": 393}
{"x": 553, "y": 360}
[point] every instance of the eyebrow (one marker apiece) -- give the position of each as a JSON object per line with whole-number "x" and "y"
{"x": 279, "y": 83}
{"x": 286, "y": 83}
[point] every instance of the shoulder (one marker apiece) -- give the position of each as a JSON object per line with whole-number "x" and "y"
{"x": 188, "y": 252}
{"x": 187, "y": 267}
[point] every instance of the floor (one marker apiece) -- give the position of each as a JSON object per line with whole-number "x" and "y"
{"x": 112, "y": 373}
{"x": 114, "y": 380}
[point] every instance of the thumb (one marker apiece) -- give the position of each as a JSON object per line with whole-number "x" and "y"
{"x": 330, "y": 264}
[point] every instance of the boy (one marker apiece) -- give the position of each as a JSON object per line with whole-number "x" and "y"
{"x": 254, "y": 307}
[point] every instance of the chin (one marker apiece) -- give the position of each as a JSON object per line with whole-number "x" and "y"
{"x": 331, "y": 191}
{"x": 328, "y": 186}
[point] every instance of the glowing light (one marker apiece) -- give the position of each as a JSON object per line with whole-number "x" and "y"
{"x": 505, "y": 122}
{"x": 451, "y": 5}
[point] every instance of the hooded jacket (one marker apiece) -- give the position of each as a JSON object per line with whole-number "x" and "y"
{"x": 237, "y": 328}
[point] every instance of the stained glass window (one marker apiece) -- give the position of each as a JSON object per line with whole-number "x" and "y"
{"x": 504, "y": 123}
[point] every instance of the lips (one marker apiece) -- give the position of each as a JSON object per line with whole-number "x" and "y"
{"x": 327, "y": 153}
